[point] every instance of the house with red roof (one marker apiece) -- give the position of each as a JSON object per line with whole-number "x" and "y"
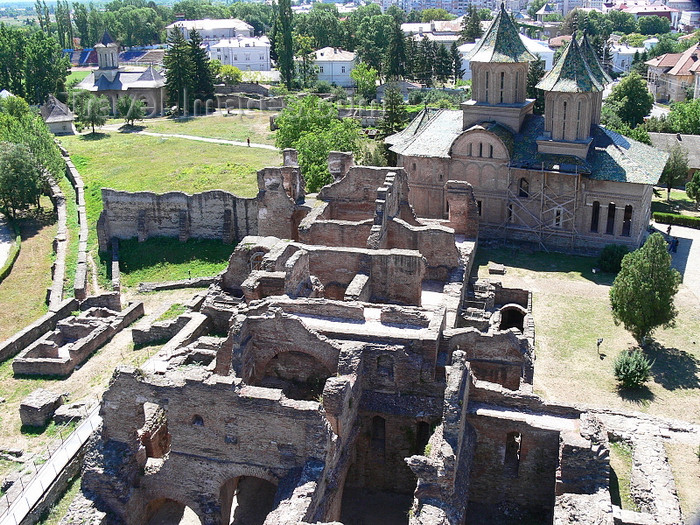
{"x": 670, "y": 75}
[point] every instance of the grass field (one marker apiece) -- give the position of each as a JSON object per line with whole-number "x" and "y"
{"x": 239, "y": 125}
{"x": 167, "y": 259}
{"x": 568, "y": 368}
{"x": 131, "y": 162}
{"x": 76, "y": 76}
{"x": 679, "y": 202}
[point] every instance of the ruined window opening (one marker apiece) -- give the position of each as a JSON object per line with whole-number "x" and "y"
{"x": 478, "y": 208}
{"x": 378, "y": 435}
{"x": 469, "y": 149}
{"x": 627, "y": 221}
{"x": 414, "y": 166}
{"x": 558, "y": 217}
{"x": 385, "y": 367}
{"x": 610, "y": 226}
{"x": 256, "y": 261}
{"x": 154, "y": 435}
{"x": 423, "y": 432}
{"x": 595, "y": 216}
{"x": 524, "y": 188}
{"x": 511, "y": 461}
{"x": 481, "y": 149}
{"x": 197, "y": 421}
{"x": 510, "y": 213}
{"x": 490, "y": 151}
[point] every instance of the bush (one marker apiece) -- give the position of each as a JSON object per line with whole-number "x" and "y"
{"x": 323, "y": 86}
{"x": 632, "y": 368}
{"x": 680, "y": 220}
{"x": 610, "y": 259}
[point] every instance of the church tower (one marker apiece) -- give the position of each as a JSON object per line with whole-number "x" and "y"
{"x": 107, "y": 56}
{"x": 573, "y": 95}
{"x": 499, "y": 64}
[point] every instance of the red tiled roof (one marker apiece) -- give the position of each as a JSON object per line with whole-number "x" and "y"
{"x": 687, "y": 60}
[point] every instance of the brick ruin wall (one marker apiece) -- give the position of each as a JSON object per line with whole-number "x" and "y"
{"x": 212, "y": 214}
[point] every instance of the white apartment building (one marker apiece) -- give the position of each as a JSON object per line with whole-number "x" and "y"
{"x": 334, "y": 65}
{"x": 213, "y": 30}
{"x": 246, "y": 53}
{"x": 622, "y": 57}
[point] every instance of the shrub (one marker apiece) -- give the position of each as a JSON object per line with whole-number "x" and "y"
{"x": 680, "y": 220}
{"x": 323, "y": 86}
{"x": 610, "y": 258}
{"x": 632, "y": 368}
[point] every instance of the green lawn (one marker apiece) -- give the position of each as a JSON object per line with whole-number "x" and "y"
{"x": 239, "y": 125}
{"x": 131, "y": 162}
{"x": 571, "y": 309}
{"x": 77, "y": 76}
{"x": 167, "y": 259}
{"x": 679, "y": 202}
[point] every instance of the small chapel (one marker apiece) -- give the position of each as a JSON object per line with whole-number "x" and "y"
{"x": 560, "y": 180}
{"x": 113, "y": 81}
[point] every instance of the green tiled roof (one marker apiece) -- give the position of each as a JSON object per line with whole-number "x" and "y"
{"x": 501, "y": 42}
{"x": 571, "y": 74}
{"x": 593, "y": 62}
{"x": 610, "y": 157}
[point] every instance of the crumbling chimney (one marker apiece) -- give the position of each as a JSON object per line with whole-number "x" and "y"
{"x": 339, "y": 162}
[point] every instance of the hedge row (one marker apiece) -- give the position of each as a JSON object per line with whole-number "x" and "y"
{"x": 12, "y": 256}
{"x": 680, "y": 220}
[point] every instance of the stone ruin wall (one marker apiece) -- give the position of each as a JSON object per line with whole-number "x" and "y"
{"x": 268, "y": 435}
{"x": 212, "y": 214}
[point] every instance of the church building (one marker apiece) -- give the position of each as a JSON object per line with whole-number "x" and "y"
{"x": 561, "y": 180}
{"x": 113, "y": 81}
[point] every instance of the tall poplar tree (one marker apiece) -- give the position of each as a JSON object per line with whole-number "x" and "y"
{"x": 283, "y": 42}
{"x": 396, "y": 54}
{"x": 179, "y": 67}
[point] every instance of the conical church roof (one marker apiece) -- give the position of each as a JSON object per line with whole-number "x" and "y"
{"x": 106, "y": 39}
{"x": 593, "y": 62}
{"x": 501, "y": 42}
{"x": 571, "y": 74}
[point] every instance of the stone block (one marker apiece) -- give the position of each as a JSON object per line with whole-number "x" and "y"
{"x": 37, "y": 408}
{"x": 72, "y": 412}
{"x": 497, "y": 269}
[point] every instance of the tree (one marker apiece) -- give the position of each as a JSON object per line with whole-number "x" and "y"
{"x": 283, "y": 42}
{"x": 202, "y": 79}
{"x": 396, "y": 54}
{"x": 534, "y": 74}
{"x": 302, "y": 114}
{"x": 635, "y": 101}
{"x": 365, "y": 78}
{"x": 21, "y": 179}
{"x": 456, "y": 58}
{"x": 230, "y": 75}
{"x": 535, "y": 6}
{"x": 692, "y": 188}
{"x": 131, "y": 109}
{"x": 653, "y": 25}
{"x": 305, "y": 60}
{"x": 471, "y": 26}
{"x": 95, "y": 112}
{"x": 394, "y": 112}
{"x": 675, "y": 170}
{"x": 45, "y": 68}
{"x": 642, "y": 294}
{"x": 632, "y": 368}
{"x": 178, "y": 65}
{"x": 685, "y": 117}
{"x": 430, "y": 14}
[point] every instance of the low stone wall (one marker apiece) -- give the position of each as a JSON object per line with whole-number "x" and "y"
{"x": 81, "y": 270}
{"x": 54, "y": 295}
{"x": 196, "y": 282}
{"x": 34, "y": 331}
{"x": 159, "y": 331}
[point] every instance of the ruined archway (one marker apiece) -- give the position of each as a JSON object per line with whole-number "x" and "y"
{"x": 246, "y": 500}
{"x": 166, "y": 511}
{"x": 297, "y": 374}
{"x": 512, "y": 316}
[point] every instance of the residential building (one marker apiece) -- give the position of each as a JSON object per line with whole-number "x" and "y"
{"x": 622, "y": 57}
{"x": 213, "y": 30}
{"x": 690, "y": 144}
{"x": 670, "y": 75}
{"x": 560, "y": 180}
{"x": 334, "y": 65}
{"x": 245, "y": 53}
{"x": 689, "y": 21}
{"x": 58, "y": 117}
{"x": 145, "y": 84}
